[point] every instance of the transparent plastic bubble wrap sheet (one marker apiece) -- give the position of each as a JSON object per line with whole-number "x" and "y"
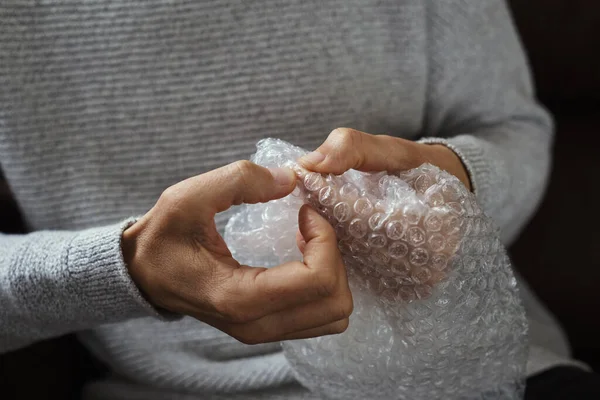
{"x": 437, "y": 313}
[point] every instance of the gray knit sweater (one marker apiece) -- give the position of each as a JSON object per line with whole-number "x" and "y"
{"x": 105, "y": 103}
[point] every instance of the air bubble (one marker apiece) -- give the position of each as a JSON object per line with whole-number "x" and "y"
{"x": 380, "y": 257}
{"x": 439, "y": 262}
{"x": 376, "y": 221}
{"x": 413, "y": 214}
{"x": 313, "y": 181}
{"x": 433, "y": 222}
{"x": 421, "y": 275}
{"x": 419, "y": 256}
{"x": 327, "y": 196}
{"x": 363, "y": 207}
{"x": 377, "y": 240}
{"x": 357, "y": 228}
{"x": 349, "y": 191}
{"x": 416, "y": 236}
{"x": 432, "y": 318}
{"x": 394, "y": 230}
{"x": 342, "y": 212}
{"x": 407, "y": 294}
{"x": 437, "y": 242}
{"x": 398, "y": 250}
{"x": 422, "y": 183}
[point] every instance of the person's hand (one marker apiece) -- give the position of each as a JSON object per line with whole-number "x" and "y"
{"x": 179, "y": 261}
{"x": 347, "y": 149}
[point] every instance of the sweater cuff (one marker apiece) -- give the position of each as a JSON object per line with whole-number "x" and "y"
{"x": 471, "y": 153}
{"x": 98, "y": 271}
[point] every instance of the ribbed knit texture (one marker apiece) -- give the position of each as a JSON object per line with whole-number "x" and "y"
{"x": 104, "y": 104}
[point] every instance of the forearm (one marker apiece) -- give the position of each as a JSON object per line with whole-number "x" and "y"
{"x": 481, "y": 103}
{"x": 508, "y": 167}
{"x": 52, "y": 283}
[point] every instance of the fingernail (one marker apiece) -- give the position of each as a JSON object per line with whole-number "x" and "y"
{"x": 313, "y": 158}
{"x": 283, "y": 176}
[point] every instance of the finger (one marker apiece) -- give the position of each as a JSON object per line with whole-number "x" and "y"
{"x": 293, "y": 321}
{"x": 321, "y": 249}
{"x": 300, "y": 242}
{"x": 247, "y": 336}
{"x": 237, "y": 183}
{"x": 333, "y": 328}
{"x": 252, "y": 293}
{"x": 347, "y": 149}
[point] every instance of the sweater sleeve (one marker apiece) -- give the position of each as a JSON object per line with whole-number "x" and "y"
{"x": 481, "y": 104}
{"x": 54, "y": 282}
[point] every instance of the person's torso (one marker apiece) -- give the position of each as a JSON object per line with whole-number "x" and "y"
{"x": 104, "y": 104}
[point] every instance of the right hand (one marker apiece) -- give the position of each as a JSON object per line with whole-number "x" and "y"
{"x": 180, "y": 262}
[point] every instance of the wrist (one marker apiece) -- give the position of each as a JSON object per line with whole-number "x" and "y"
{"x": 131, "y": 250}
{"x": 444, "y": 158}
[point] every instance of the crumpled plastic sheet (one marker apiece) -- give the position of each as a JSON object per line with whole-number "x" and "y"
{"x": 437, "y": 313}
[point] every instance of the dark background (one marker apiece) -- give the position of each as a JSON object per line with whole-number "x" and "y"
{"x": 559, "y": 252}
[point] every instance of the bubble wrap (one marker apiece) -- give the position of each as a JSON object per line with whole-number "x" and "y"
{"x": 437, "y": 313}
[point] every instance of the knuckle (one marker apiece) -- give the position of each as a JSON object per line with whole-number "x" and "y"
{"x": 342, "y": 309}
{"x": 171, "y": 195}
{"x": 247, "y": 338}
{"x": 341, "y": 326}
{"x": 172, "y": 203}
{"x": 338, "y": 313}
{"x": 198, "y": 241}
{"x": 348, "y": 145}
{"x": 244, "y": 169}
{"x": 242, "y": 317}
{"x": 327, "y": 283}
{"x": 347, "y": 306}
{"x": 250, "y": 334}
{"x": 343, "y": 136}
{"x": 236, "y": 317}
{"x": 228, "y": 311}
{"x": 244, "y": 176}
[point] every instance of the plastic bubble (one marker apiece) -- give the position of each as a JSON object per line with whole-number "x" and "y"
{"x": 342, "y": 211}
{"x": 436, "y": 309}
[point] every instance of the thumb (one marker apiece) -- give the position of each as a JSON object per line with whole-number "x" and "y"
{"x": 320, "y": 248}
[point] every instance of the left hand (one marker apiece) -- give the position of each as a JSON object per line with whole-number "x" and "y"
{"x": 347, "y": 149}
